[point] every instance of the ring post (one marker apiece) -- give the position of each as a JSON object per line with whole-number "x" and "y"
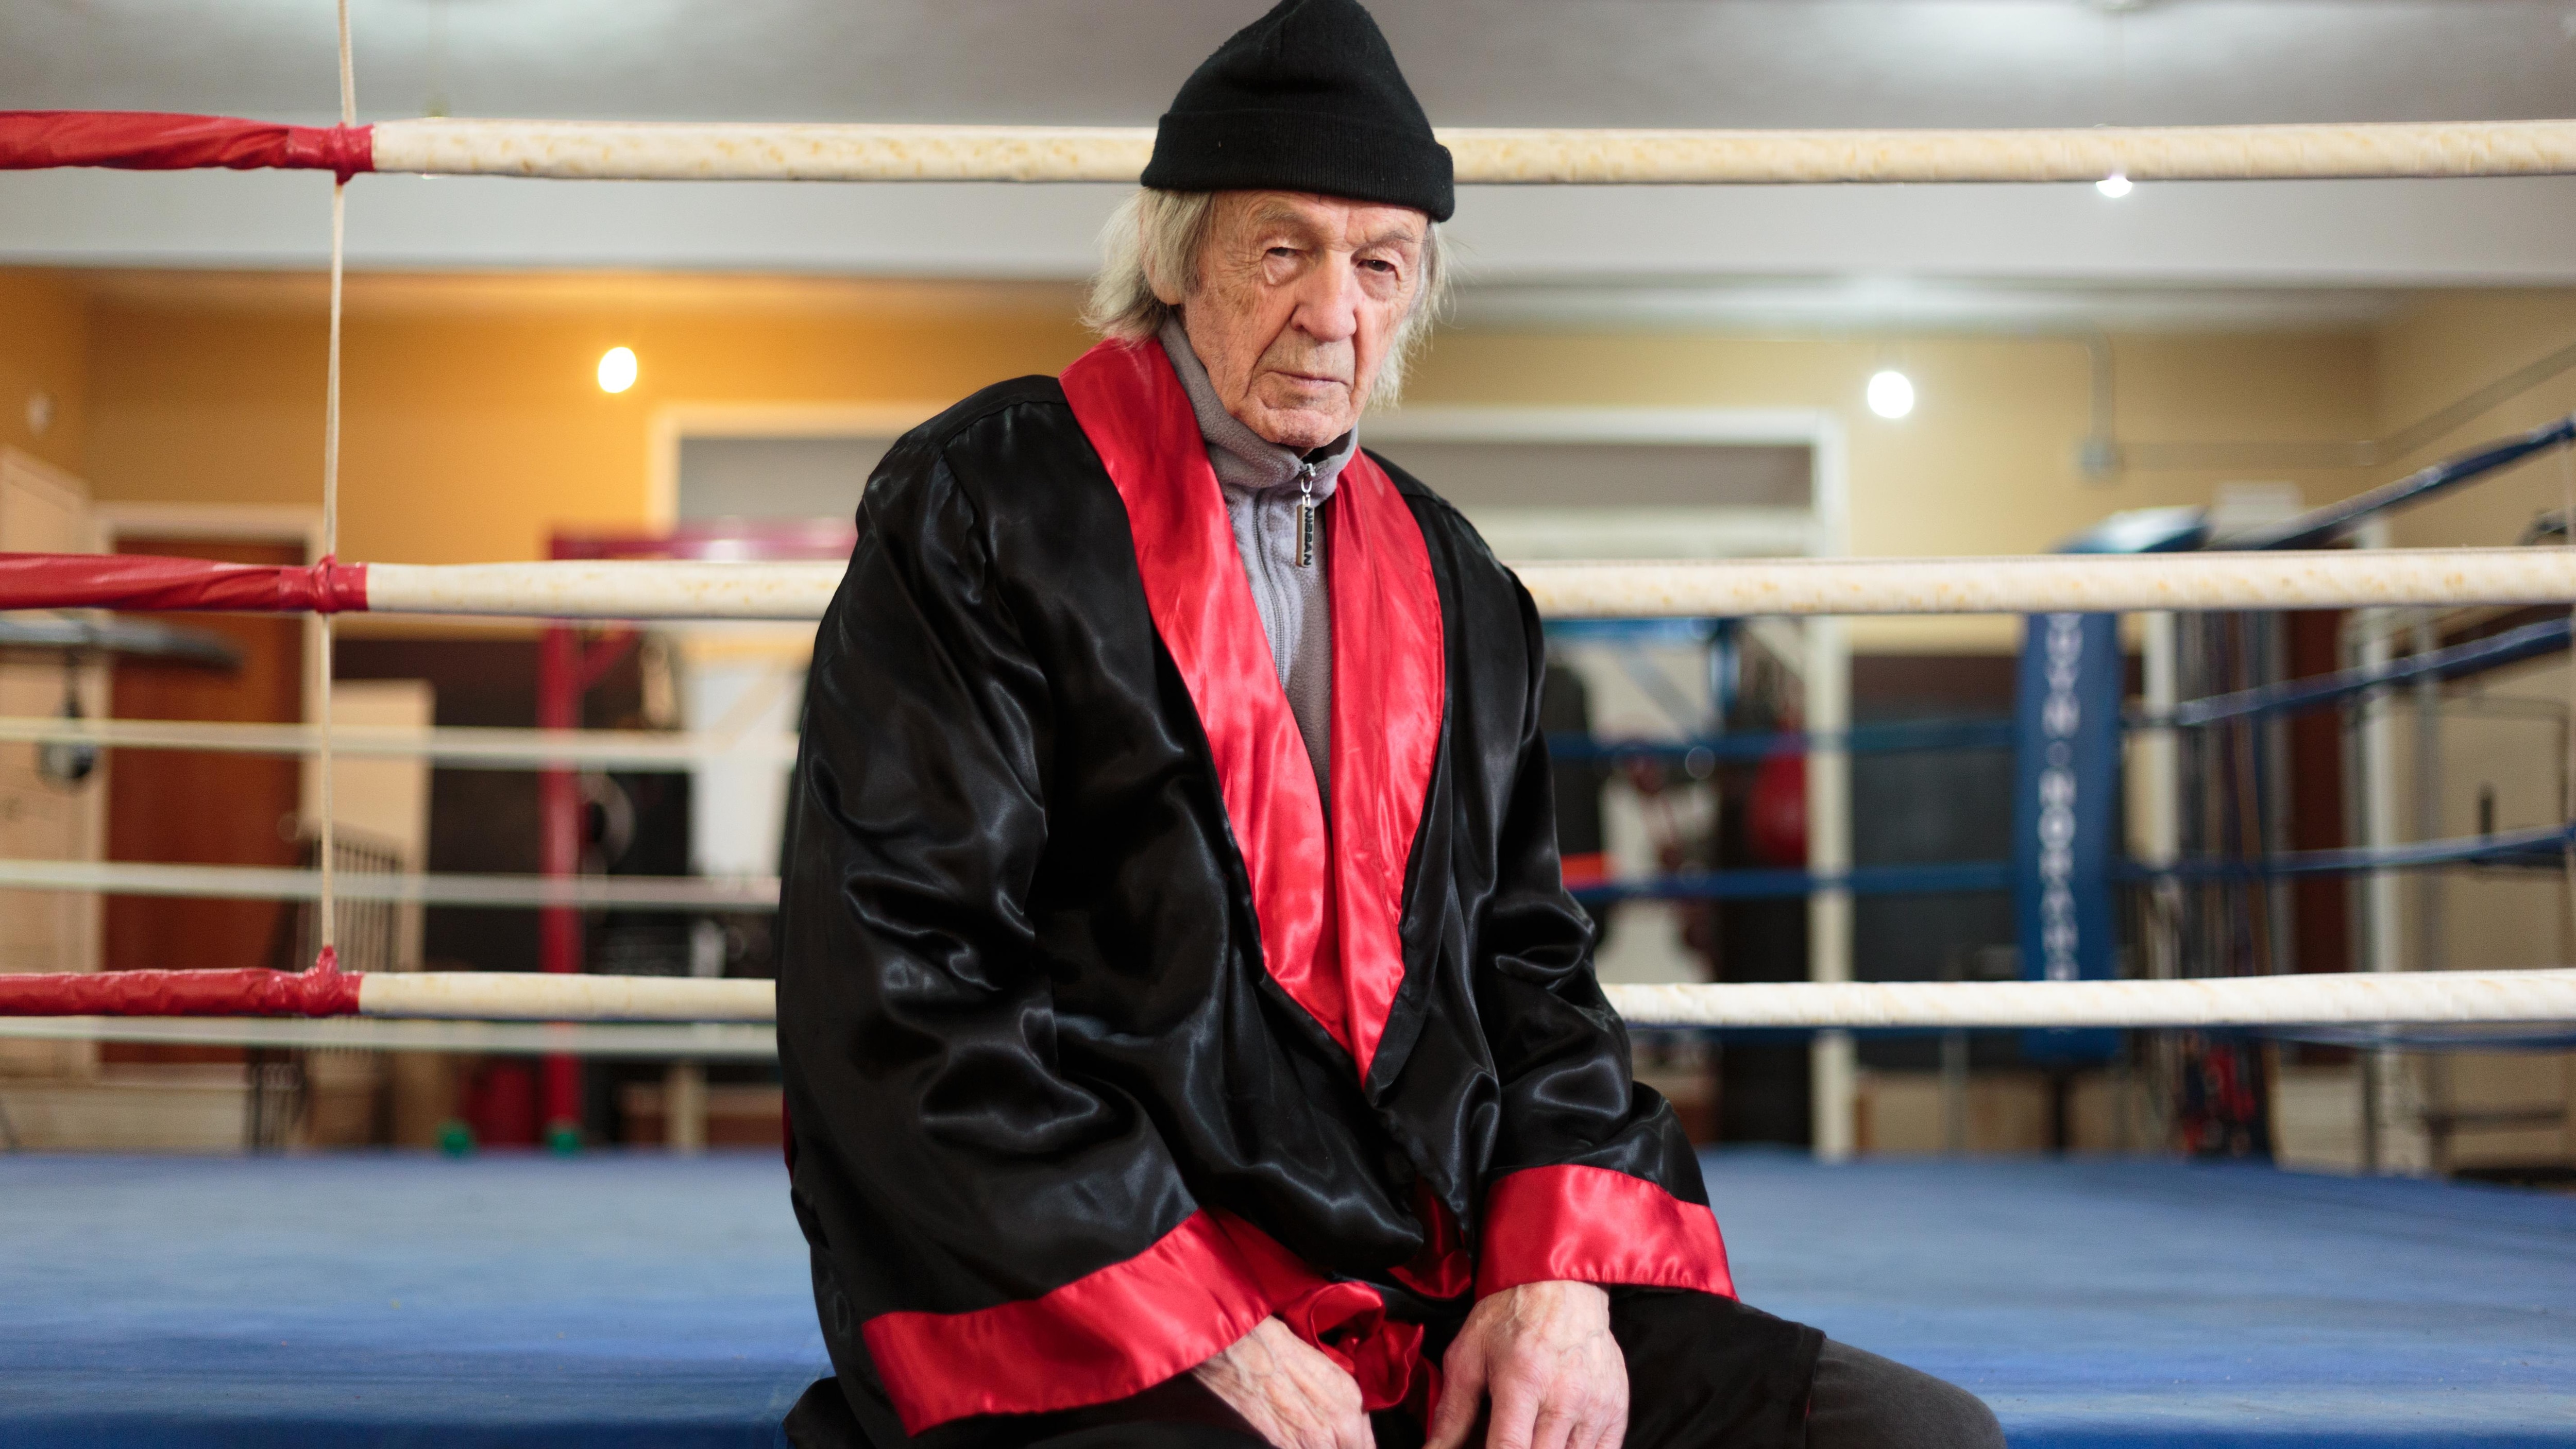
{"x": 559, "y": 857}
{"x": 1832, "y": 1060}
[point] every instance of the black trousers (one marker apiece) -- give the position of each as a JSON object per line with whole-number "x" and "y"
{"x": 1703, "y": 1373}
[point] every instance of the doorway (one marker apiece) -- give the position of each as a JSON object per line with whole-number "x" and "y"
{"x": 204, "y": 808}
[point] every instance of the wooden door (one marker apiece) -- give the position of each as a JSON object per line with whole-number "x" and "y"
{"x": 43, "y": 510}
{"x": 178, "y": 806}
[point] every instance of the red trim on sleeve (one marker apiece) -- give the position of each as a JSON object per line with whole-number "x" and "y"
{"x": 1593, "y": 1225}
{"x": 1390, "y": 687}
{"x": 161, "y": 141}
{"x": 150, "y": 582}
{"x": 1103, "y": 1336}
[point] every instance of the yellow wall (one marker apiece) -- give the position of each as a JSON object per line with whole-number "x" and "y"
{"x": 44, "y": 347}
{"x": 474, "y": 427}
{"x": 2445, "y": 347}
{"x": 1986, "y": 462}
{"x": 472, "y": 424}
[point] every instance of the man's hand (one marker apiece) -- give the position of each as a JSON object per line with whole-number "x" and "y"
{"x": 1289, "y": 1391}
{"x": 1544, "y": 1354}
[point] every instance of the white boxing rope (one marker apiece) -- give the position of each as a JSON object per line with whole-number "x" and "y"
{"x": 273, "y": 883}
{"x": 2042, "y": 584}
{"x": 2399, "y": 998}
{"x": 2411, "y": 998}
{"x": 2055, "y": 583}
{"x": 642, "y": 1041}
{"x": 533, "y": 996}
{"x": 450, "y": 746}
{"x": 613, "y": 590}
{"x": 740, "y": 151}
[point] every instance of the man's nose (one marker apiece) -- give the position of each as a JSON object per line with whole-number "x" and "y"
{"x": 1328, "y": 301}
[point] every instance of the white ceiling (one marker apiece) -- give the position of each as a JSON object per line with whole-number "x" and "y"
{"x": 1475, "y": 62}
{"x": 2002, "y": 254}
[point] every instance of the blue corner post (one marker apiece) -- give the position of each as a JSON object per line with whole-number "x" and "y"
{"x": 2066, "y": 716}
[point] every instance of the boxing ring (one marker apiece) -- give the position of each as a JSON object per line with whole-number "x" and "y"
{"x": 651, "y": 1302}
{"x": 646, "y": 1300}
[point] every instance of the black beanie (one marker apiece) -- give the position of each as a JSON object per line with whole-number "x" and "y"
{"x": 1306, "y": 98}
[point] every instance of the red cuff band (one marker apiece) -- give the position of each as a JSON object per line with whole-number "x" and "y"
{"x": 1593, "y": 1225}
{"x": 1103, "y": 1336}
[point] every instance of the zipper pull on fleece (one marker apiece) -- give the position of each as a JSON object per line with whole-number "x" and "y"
{"x": 1305, "y": 515}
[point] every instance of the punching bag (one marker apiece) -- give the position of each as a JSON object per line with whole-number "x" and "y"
{"x": 1775, "y": 812}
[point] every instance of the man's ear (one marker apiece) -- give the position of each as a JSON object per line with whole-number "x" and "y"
{"x": 1166, "y": 291}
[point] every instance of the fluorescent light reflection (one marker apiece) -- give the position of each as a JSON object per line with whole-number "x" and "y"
{"x": 617, "y": 369}
{"x": 1891, "y": 394}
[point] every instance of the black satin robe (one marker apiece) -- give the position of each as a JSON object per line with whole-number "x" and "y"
{"x": 1059, "y": 1127}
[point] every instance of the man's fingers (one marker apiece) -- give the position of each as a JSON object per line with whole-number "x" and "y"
{"x": 1515, "y": 1417}
{"x": 1604, "y": 1433}
{"x": 1554, "y": 1428}
{"x": 1462, "y": 1392}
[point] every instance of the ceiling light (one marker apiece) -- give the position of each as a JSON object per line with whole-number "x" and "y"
{"x": 617, "y": 369}
{"x": 2114, "y": 186}
{"x": 1891, "y": 394}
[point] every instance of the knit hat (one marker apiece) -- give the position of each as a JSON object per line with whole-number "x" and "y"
{"x": 1307, "y": 98}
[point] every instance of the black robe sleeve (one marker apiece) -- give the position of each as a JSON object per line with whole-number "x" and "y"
{"x": 1593, "y": 1178}
{"x": 1002, "y": 1238}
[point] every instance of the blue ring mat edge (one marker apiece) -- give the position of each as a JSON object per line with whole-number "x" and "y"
{"x": 617, "y": 1299}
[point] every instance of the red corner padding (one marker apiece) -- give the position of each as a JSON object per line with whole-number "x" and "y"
{"x": 1593, "y": 1225}
{"x": 159, "y": 141}
{"x": 147, "y": 582}
{"x": 322, "y": 991}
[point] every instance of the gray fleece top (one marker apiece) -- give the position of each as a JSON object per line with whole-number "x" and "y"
{"x": 1261, "y": 491}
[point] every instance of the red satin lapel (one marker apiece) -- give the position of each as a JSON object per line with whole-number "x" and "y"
{"x": 1328, "y": 907}
{"x": 1390, "y": 684}
{"x": 1132, "y": 408}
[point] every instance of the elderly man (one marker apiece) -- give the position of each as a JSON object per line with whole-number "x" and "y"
{"x": 1188, "y": 1037}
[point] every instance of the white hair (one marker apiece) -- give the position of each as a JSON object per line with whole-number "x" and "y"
{"x": 1159, "y": 235}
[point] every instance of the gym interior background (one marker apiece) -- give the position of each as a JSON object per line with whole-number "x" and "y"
{"x": 1625, "y": 372}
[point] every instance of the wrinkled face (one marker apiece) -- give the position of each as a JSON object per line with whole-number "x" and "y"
{"x": 1298, "y": 300}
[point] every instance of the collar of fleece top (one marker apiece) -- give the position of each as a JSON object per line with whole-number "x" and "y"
{"x": 1259, "y": 480}
{"x": 1245, "y": 461}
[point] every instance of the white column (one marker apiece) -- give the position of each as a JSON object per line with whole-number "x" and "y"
{"x": 684, "y": 1108}
{"x": 1829, "y": 854}
{"x": 2399, "y": 1114}
{"x": 2383, "y": 928}
{"x": 2155, "y": 792}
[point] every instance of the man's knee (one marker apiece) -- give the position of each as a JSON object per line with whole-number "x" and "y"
{"x": 1863, "y": 1401}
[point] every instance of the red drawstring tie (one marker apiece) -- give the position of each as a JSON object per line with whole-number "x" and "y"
{"x": 1348, "y": 1322}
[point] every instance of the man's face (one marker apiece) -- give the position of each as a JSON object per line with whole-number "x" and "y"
{"x": 1297, "y": 300}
